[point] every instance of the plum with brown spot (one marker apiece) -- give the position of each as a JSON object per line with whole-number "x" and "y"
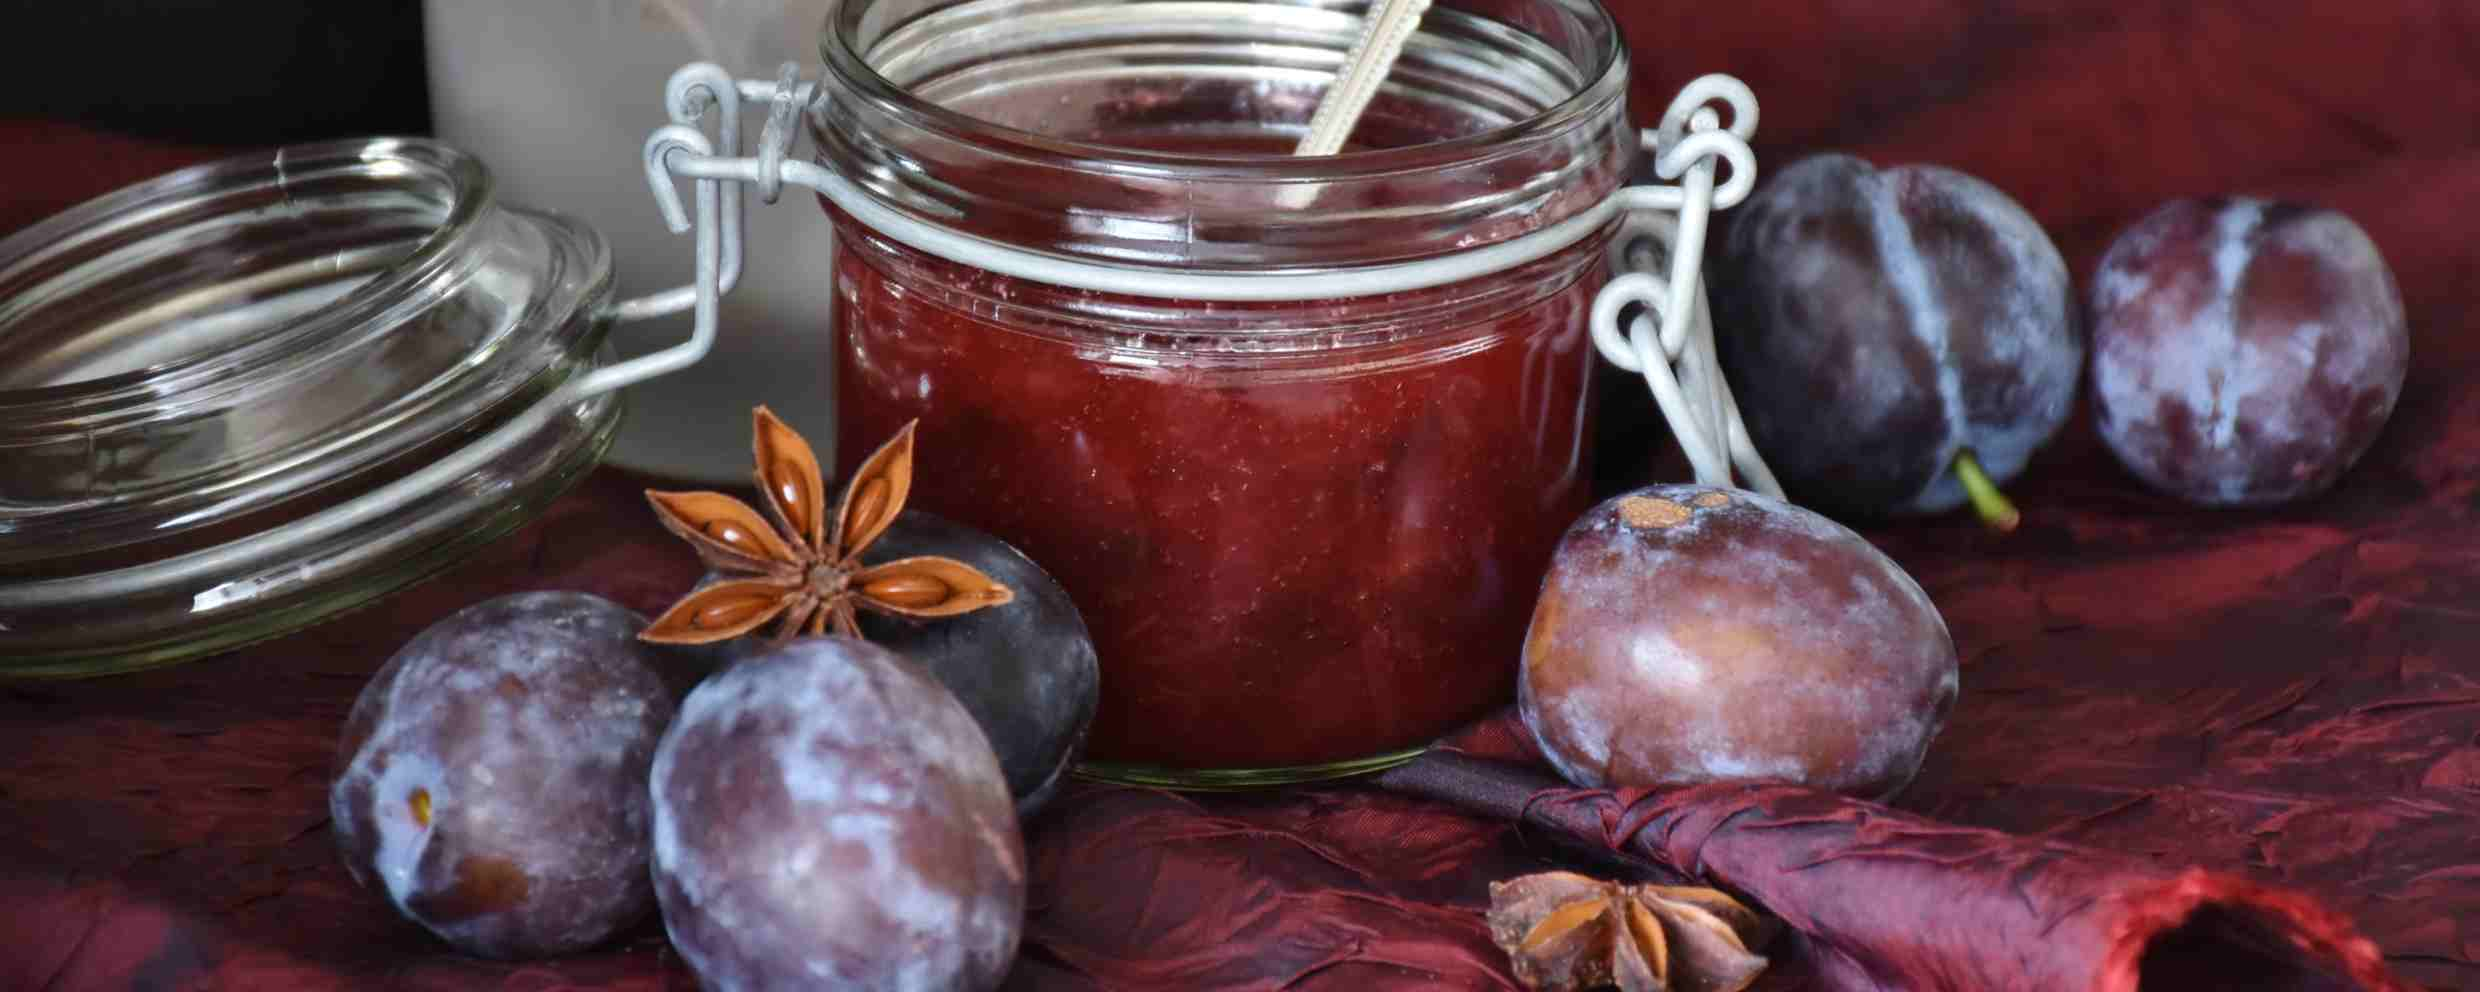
{"x": 1901, "y": 341}
{"x": 2245, "y": 352}
{"x": 827, "y": 816}
{"x": 491, "y": 778}
{"x": 1688, "y": 634}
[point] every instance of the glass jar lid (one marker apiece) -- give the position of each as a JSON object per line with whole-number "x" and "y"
{"x": 225, "y": 394}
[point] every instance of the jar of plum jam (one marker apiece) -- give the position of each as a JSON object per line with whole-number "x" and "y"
{"x": 1306, "y": 533}
{"x": 1297, "y": 432}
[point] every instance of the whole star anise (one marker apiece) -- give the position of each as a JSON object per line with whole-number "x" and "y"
{"x": 807, "y": 573}
{"x": 1567, "y": 931}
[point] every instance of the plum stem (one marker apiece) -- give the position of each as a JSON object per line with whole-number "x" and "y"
{"x": 1992, "y": 505}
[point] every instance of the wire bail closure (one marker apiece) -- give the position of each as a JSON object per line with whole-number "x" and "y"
{"x": 1669, "y": 340}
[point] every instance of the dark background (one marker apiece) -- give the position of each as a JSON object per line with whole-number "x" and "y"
{"x": 237, "y": 73}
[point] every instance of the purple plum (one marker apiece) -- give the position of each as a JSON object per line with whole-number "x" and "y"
{"x": 827, "y": 816}
{"x": 492, "y": 776}
{"x": 1025, "y": 670}
{"x": 2245, "y": 352}
{"x": 1900, "y": 340}
{"x": 1688, "y": 634}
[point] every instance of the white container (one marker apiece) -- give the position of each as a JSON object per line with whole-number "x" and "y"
{"x": 558, "y": 96}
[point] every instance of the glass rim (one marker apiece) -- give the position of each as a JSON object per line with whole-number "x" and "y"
{"x": 265, "y": 331}
{"x": 414, "y": 162}
{"x": 852, "y": 70}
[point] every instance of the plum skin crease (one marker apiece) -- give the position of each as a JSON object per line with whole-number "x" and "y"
{"x": 1689, "y": 634}
{"x": 491, "y": 777}
{"x": 826, "y": 815}
{"x": 2245, "y": 352}
{"x": 1877, "y": 323}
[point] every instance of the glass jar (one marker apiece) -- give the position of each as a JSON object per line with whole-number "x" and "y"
{"x": 252, "y": 394}
{"x": 1306, "y": 533}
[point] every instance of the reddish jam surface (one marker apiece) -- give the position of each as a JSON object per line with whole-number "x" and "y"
{"x": 1284, "y": 560}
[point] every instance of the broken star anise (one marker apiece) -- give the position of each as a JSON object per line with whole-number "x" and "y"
{"x": 1567, "y": 931}
{"x": 809, "y": 573}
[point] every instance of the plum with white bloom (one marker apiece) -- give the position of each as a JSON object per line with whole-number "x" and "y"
{"x": 827, "y": 816}
{"x": 492, "y": 776}
{"x": 1688, "y": 634}
{"x": 2245, "y": 352}
{"x": 1901, "y": 340}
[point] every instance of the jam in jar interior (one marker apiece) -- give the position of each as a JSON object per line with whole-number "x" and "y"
{"x": 1284, "y": 559}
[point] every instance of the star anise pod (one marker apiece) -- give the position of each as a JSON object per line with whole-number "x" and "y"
{"x": 806, "y": 566}
{"x": 1567, "y": 931}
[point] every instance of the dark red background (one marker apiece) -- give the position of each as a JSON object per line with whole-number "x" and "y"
{"x": 2293, "y": 695}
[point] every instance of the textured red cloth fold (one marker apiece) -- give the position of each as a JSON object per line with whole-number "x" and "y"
{"x": 1879, "y": 899}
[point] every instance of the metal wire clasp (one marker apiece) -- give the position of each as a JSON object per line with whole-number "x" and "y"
{"x": 717, "y": 172}
{"x": 1670, "y": 340}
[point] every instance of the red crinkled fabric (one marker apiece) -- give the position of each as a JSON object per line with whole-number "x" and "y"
{"x": 1875, "y": 898}
{"x": 2164, "y": 710}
